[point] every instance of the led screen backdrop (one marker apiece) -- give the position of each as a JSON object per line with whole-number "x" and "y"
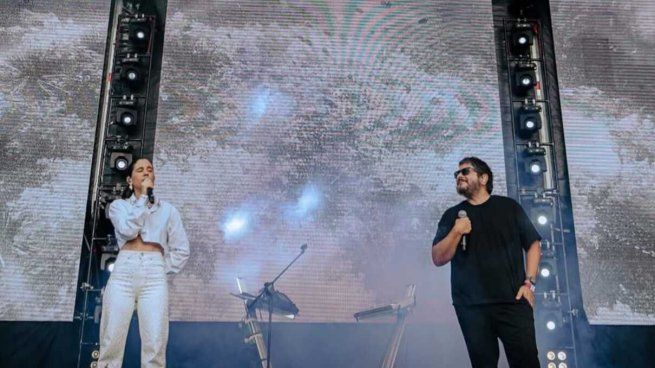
{"x": 51, "y": 59}
{"x": 606, "y": 66}
{"x": 337, "y": 124}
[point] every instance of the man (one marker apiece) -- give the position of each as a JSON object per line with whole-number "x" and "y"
{"x": 484, "y": 238}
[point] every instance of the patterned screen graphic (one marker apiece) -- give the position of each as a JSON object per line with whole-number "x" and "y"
{"x": 337, "y": 124}
{"x": 51, "y": 59}
{"x": 606, "y": 66}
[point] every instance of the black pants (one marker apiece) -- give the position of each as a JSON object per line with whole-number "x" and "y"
{"x": 513, "y": 324}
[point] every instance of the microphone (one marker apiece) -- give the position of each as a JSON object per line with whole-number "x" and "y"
{"x": 462, "y": 214}
{"x": 303, "y": 247}
{"x": 151, "y": 197}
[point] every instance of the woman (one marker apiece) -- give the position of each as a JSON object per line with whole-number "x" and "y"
{"x": 152, "y": 244}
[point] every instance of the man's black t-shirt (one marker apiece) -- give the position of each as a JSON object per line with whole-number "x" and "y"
{"x": 491, "y": 269}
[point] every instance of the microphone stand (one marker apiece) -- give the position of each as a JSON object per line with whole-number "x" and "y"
{"x": 267, "y": 294}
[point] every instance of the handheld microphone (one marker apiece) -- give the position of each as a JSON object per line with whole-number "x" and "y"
{"x": 462, "y": 214}
{"x": 151, "y": 196}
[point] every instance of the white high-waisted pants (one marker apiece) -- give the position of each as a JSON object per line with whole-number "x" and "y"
{"x": 137, "y": 281}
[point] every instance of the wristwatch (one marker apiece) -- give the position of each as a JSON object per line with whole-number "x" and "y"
{"x": 532, "y": 279}
{"x": 530, "y": 282}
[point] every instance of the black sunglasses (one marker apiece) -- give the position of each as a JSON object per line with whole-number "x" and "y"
{"x": 465, "y": 171}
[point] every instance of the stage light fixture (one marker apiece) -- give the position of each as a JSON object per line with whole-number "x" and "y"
{"x": 562, "y": 365}
{"x": 525, "y": 77}
{"x": 548, "y": 281}
{"x": 561, "y": 355}
{"x": 121, "y": 163}
{"x": 542, "y": 210}
{"x": 522, "y": 38}
{"x": 542, "y": 215}
{"x": 135, "y": 33}
{"x": 139, "y": 33}
{"x": 132, "y": 74}
{"x": 552, "y": 320}
{"x": 550, "y": 355}
{"x": 536, "y": 166}
{"x": 131, "y": 70}
{"x": 528, "y": 118}
{"x": 126, "y": 117}
{"x": 120, "y": 158}
{"x": 535, "y": 158}
{"x": 552, "y": 365}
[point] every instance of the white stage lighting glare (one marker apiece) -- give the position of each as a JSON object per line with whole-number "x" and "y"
{"x": 545, "y": 272}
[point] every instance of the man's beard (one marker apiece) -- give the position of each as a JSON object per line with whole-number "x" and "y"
{"x": 469, "y": 190}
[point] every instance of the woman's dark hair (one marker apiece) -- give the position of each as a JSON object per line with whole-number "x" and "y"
{"x": 480, "y": 167}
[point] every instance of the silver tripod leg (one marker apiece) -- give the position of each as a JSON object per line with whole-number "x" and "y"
{"x": 394, "y": 344}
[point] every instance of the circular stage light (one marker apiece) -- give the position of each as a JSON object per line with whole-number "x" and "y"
{"x": 127, "y": 119}
{"x": 545, "y": 272}
{"x": 132, "y": 75}
{"x": 121, "y": 163}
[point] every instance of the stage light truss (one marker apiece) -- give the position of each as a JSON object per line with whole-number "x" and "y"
{"x": 123, "y": 127}
{"x": 538, "y": 184}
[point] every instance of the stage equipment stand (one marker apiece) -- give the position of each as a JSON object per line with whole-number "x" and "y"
{"x": 400, "y": 310}
{"x": 272, "y": 301}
